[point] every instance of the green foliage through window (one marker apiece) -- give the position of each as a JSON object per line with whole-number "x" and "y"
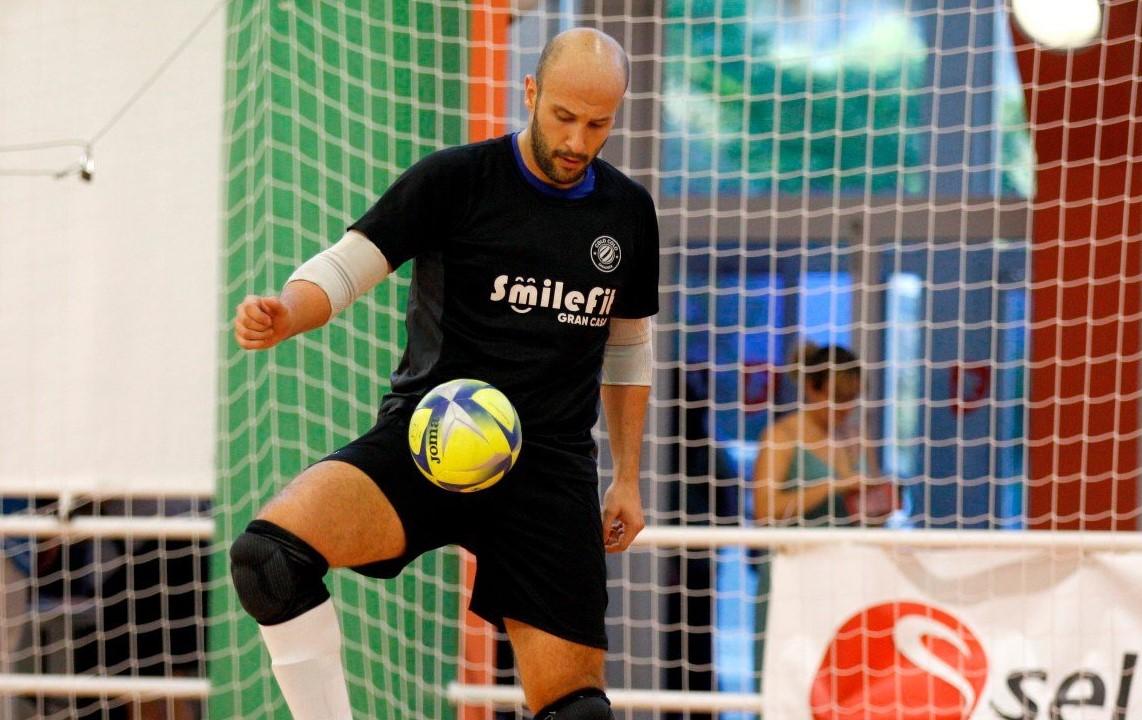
{"x": 764, "y": 96}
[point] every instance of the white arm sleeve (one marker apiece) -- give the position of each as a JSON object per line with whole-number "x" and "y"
{"x": 346, "y": 270}
{"x": 628, "y": 354}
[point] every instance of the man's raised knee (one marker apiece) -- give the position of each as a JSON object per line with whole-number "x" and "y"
{"x": 277, "y": 575}
{"x": 584, "y": 704}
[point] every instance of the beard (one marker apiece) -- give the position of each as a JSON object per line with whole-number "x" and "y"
{"x": 545, "y": 158}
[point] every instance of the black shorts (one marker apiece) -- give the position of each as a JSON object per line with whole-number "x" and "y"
{"x": 537, "y": 534}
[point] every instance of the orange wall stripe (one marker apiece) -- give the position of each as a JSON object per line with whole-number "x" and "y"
{"x": 488, "y": 22}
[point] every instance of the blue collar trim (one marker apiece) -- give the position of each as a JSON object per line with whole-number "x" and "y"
{"x": 582, "y": 190}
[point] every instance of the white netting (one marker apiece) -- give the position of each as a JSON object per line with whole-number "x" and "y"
{"x": 107, "y": 438}
{"x": 852, "y": 173}
{"x": 103, "y": 626}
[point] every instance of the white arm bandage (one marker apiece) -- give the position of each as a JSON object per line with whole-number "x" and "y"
{"x": 346, "y": 270}
{"x": 627, "y": 356}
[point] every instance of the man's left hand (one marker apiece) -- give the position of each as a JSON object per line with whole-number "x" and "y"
{"x": 622, "y": 515}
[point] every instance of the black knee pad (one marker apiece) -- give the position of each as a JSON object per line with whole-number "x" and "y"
{"x": 276, "y": 574}
{"x": 584, "y": 704}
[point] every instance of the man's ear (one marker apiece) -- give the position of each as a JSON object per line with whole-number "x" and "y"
{"x": 530, "y": 92}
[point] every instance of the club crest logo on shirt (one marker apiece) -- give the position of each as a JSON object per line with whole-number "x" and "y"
{"x": 606, "y": 253}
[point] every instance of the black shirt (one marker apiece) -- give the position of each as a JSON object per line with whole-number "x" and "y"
{"x": 513, "y": 286}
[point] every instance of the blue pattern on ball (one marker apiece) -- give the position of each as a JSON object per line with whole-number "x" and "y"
{"x": 437, "y": 401}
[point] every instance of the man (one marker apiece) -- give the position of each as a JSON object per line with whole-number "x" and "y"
{"x": 536, "y": 270}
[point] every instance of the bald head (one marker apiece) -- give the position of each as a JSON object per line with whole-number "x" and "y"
{"x": 583, "y": 50}
{"x": 573, "y": 98}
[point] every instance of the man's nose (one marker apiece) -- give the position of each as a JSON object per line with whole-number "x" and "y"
{"x": 577, "y": 140}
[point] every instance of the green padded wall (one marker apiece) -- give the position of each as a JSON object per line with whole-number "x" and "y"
{"x": 326, "y": 103}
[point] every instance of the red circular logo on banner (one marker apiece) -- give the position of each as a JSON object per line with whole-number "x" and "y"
{"x": 900, "y": 660}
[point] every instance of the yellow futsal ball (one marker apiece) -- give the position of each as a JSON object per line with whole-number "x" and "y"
{"x": 464, "y": 435}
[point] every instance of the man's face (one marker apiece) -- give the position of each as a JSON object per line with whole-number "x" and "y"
{"x": 569, "y": 125}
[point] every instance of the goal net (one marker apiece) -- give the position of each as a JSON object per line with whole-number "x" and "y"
{"x": 915, "y": 182}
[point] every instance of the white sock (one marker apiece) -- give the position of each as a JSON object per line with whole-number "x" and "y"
{"x": 306, "y": 657}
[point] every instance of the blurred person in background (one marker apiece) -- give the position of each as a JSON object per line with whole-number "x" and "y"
{"x": 813, "y": 468}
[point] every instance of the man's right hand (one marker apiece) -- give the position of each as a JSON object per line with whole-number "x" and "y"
{"x": 261, "y": 322}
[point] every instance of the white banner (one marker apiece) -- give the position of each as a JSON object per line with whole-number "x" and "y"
{"x": 893, "y": 634}
{"x": 109, "y": 289}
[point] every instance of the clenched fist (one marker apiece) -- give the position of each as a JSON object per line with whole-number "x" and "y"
{"x": 261, "y": 322}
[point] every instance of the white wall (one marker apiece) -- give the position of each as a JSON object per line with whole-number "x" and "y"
{"x": 109, "y": 290}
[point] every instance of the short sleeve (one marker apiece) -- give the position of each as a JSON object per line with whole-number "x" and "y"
{"x": 418, "y": 212}
{"x": 638, "y": 298}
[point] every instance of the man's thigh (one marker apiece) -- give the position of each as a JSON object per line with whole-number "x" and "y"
{"x": 367, "y": 507}
{"x": 341, "y": 513}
